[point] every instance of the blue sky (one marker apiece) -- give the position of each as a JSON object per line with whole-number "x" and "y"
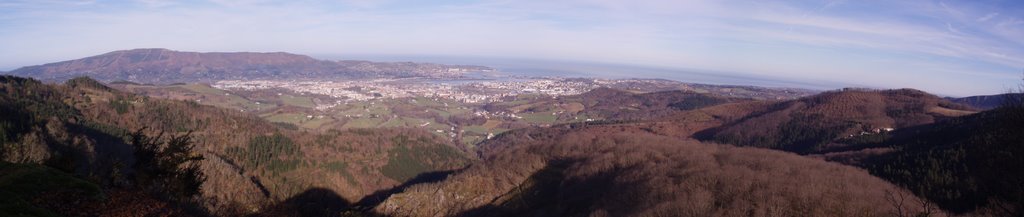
{"x": 945, "y": 47}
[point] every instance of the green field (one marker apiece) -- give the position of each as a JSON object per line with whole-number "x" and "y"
{"x": 364, "y": 108}
{"x": 202, "y": 88}
{"x": 299, "y": 119}
{"x": 404, "y": 122}
{"x": 442, "y": 113}
{"x": 362, "y": 123}
{"x": 316, "y": 123}
{"x": 224, "y": 99}
{"x": 293, "y": 118}
{"x": 477, "y": 129}
{"x": 545, "y": 117}
{"x": 300, "y": 101}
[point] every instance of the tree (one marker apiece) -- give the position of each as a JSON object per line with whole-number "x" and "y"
{"x": 167, "y": 166}
{"x": 1014, "y": 99}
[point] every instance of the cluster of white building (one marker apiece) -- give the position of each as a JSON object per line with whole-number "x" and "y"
{"x": 487, "y": 114}
{"x": 554, "y": 87}
{"x": 337, "y": 89}
{"x": 364, "y": 90}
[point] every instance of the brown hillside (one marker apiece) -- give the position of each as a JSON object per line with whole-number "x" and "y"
{"x": 619, "y": 105}
{"x": 808, "y": 124}
{"x": 601, "y": 171}
{"x": 81, "y": 128}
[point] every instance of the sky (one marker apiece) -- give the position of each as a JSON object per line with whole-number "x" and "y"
{"x": 955, "y": 48}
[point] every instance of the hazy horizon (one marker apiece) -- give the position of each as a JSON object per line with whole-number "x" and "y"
{"x": 954, "y": 48}
{"x": 584, "y": 69}
{"x": 570, "y": 68}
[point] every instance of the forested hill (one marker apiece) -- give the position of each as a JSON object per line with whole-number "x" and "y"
{"x": 963, "y": 160}
{"x": 242, "y": 163}
{"x": 967, "y": 164}
{"x": 812, "y": 124}
{"x": 163, "y": 66}
{"x": 82, "y": 147}
{"x": 619, "y": 170}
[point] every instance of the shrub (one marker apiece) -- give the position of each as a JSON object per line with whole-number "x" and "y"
{"x": 167, "y": 166}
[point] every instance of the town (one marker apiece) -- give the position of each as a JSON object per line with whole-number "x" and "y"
{"x": 474, "y": 91}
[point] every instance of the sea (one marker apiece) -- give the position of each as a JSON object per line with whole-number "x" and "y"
{"x": 524, "y": 69}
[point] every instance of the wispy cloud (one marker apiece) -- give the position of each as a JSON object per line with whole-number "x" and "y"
{"x": 950, "y": 10}
{"x": 856, "y": 41}
{"x": 988, "y": 16}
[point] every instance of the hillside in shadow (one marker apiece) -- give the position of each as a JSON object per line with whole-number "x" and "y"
{"x": 600, "y": 171}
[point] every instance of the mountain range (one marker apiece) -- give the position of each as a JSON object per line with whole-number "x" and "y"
{"x": 83, "y": 148}
{"x": 986, "y": 101}
{"x": 163, "y": 66}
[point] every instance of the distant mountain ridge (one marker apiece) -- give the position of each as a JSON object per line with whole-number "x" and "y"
{"x": 157, "y": 65}
{"x": 985, "y": 102}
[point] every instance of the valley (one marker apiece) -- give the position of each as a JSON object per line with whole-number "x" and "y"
{"x": 500, "y": 145}
{"x": 495, "y": 108}
{"x": 465, "y": 110}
